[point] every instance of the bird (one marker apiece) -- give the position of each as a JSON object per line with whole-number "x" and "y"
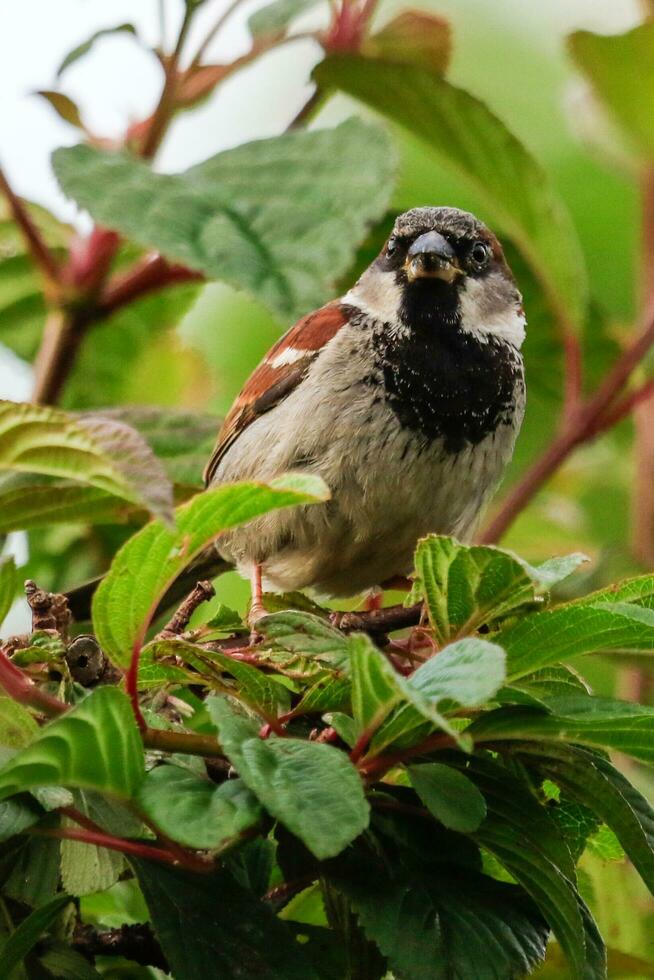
{"x": 405, "y": 395}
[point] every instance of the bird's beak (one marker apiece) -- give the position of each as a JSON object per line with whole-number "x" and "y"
{"x": 432, "y": 257}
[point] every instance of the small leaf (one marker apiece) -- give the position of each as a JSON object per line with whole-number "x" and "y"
{"x": 229, "y": 217}
{"x": 555, "y": 570}
{"x": 98, "y": 452}
{"x": 86, "y": 46}
{"x": 274, "y": 18}
{"x": 28, "y": 933}
{"x": 305, "y": 634}
{"x": 17, "y": 815}
{"x": 239, "y": 934}
{"x": 64, "y": 106}
{"x": 414, "y": 37}
{"x": 195, "y": 812}
{"x": 312, "y": 788}
{"x": 449, "y": 795}
{"x": 151, "y": 560}
{"x": 95, "y": 746}
{"x": 467, "y": 587}
{"x": 8, "y": 585}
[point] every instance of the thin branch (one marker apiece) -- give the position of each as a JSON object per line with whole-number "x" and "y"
{"x": 308, "y": 110}
{"x": 380, "y": 621}
{"x": 140, "y": 849}
{"x": 151, "y": 273}
{"x": 188, "y": 743}
{"x": 202, "y": 592}
{"x": 380, "y": 765}
{"x": 136, "y": 943}
{"x": 166, "y": 105}
{"x": 37, "y": 247}
{"x": 222, "y": 20}
{"x": 581, "y": 428}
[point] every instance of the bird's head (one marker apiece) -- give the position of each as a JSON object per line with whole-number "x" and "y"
{"x": 442, "y": 268}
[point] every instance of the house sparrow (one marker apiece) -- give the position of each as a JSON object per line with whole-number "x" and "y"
{"x": 405, "y": 395}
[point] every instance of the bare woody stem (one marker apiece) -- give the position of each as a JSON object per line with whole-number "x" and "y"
{"x": 584, "y": 425}
{"x": 41, "y": 254}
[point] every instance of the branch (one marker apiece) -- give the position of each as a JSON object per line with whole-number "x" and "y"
{"x": 380, "y": 621}
{"x": 147, "y": 275}
{"x": 37, "y": 247}
{"x": 583, "y": 426}
{"x": 166, "y": 105}
{"x": 202, "y": 592}
{"x": 140, "y": 849}
{"x": 136, "y": 943}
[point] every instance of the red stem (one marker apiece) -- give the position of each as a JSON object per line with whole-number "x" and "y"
{"x": 136, "y": 849}
{"x": 36, "y": 245}
{"x": 381, "y": 764}
{"x": 150, "y": 273}
{"x": 22, "y": 689}
{"x": 132, "y": 688}
{"x": 583, "y": 426}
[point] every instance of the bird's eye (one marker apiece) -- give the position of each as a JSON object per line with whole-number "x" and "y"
{"x": 391, "y": 245}
{"x": 479, "y": 256}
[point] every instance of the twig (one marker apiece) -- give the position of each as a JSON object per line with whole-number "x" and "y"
{"x": 380, "y": 621}
{"x": 379, "y": 765}
{"x": 166, "y": 105}
{"x": 136, "y": 943}
{"x": 38, "y": 249}
{"x": 308, "y": 110}
{"x": 224, "y": 17}
{"x": 202, "y": 592}
{"x": 140, "y": 849}
{"x": 49, "y": 609}
{"x": 189, "y": 743}
{"x": 149, "y": 274}
{"x": 581, "y": 428}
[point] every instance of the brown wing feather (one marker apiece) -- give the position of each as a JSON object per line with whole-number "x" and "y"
{"x": 269, "y": 384}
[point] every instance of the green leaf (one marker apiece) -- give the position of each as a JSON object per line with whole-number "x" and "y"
{"x": 98, "y": 452}
{"x": 34, "y": 878}
{"x": 96, "y": 745}
{"x": 541, "y": 687}
{"x": 17, "y": 815}
{"x": 618, "y": 619}
{"x": 22, "y": 305}
{"x": 593, "y": 781}
{"x": 17, "y": 726}
{"x": 467, "y": 587}
{"x": 229, "y": 216}
{"x": 312, "y": 788}
{"x": 523, "y": 837}
{"x": 414, "y": 37}
{"x": 182, "y": 441}
{"x": 466, "y": 673}
{"x": 514, "y": 190}
{"x": 29, "y": 501}
{"x": 449, "y": 795}
{"x": 8, "y": 585}
{"x": 376, "y": 687}
{"x": 62, "y": 961}
{"x": 453, "y": 923}
{"x": 328, "y": 693}
{"x": 239, "y": 935}
{"x": 274, "y": 18}
{"x": 619, "y": 725}
{"x": 555, "y": 570}
{"x": 150, "y": 561}
{"x": 602, "y": 58}
{"x": 194, "y": 811}
{"x": 254, "y": 688}
{"x": 28, "y": 933}
{"x": 84, "y": 48}
{"x": 85, "y": 868}
{"x": 305, "y": 634}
